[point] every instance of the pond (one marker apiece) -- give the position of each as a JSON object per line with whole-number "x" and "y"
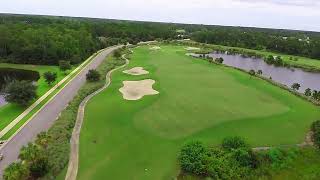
{"x": 9, "y": 74}
{"x": 282, "y": 75}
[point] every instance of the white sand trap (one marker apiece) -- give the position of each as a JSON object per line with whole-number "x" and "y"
{"x": 135, "y": 90}
{"x": 192, "y": 48}
{"x": 136, "y": 71}
{"x": 155, "y": 48}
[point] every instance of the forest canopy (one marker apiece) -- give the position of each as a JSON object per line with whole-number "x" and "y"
{"x": 47, "y": 39}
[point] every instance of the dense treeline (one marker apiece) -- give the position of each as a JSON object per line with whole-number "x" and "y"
{"x": 47, "y": 39}
{"x": 289, "y": 42}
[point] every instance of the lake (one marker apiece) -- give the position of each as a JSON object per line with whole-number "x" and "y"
{"x": 282, "y": 75}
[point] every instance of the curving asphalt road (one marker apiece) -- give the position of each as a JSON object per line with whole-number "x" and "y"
{"x": 46, "y": 117}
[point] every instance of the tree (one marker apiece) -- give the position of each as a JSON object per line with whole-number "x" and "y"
{"x": 50, "y": 77}
{"x": 295, "y": 86}
{"x": 64, "y": 65}
{"x": 20, "y": 92}
{"x": 252, "y": 72}
{"x": 36, "y": 159}
{"x": 316, "y": 95}
{"x": 117, "y": 54}
{"x": 308, "y": 92}
{"x": 259, "y": 72}
{"x": 219, "y": 60}
{"x": 16, "y": 171}
{"x": 192, "y": 158}
{"x": 93, "y": 75}
{"x": 235, "y": 142}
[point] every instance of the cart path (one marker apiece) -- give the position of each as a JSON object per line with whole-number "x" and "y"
{"x": 44, "y": 119}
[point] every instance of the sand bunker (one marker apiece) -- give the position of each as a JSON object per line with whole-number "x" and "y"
{"x": 155, "y": 48}
{"x": 135, "y": 90}
{"x": 136, "y": 71}
{"x": 192, "y": 48}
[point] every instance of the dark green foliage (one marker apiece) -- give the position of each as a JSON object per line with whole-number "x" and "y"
{"x": 252, "y": 72}
{"x": 315, "y": 127}
{"x": 36, "y": 160}
{"x": 308, "y": 92}
{"x": 259, "y": 72}
{"x": 193, "y": 158}
{"x": 16, "y": 171}
{"x": 316, "y": 95}
{"x": 20, "y": 92}
{"x": 117, "y": 53}
{"x": 296, "y": 42}
{"x": 64, "y": 65}
{"x": 234, "y": 142}
{"x": 296, "y": 86}
{"x": 50, "y": 77}
{"x": 93, "y": 75}
{"x": 219, "y": 60}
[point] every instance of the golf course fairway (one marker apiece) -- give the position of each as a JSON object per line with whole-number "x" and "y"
{"x": 140, "y": 139}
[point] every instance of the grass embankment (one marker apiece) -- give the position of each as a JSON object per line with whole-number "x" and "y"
{"x": 140, "y": 139}
{"x": 11, "y": 111}
{"x": 307, "y": 64}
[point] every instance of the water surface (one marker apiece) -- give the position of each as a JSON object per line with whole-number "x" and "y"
{"x": 283, "y": 75}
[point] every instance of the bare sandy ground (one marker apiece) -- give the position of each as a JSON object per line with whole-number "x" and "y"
{"x": 136, "y": 71}
{"x": 135, "y": 90}
{"x": 192, "y": 48}
{"x": 155, "y": 48}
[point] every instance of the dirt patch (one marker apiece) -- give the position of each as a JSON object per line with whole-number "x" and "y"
{"x": 136, "y": 71}
{"x": 135, "y": 90}
{"x": 155, "y": 48}
{"x": 192, "y": 48}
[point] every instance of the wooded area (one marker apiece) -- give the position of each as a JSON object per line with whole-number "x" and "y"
{"x": 47, "y": 40}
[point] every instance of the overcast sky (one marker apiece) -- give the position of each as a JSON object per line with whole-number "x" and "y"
{"x": 288, "y": 14}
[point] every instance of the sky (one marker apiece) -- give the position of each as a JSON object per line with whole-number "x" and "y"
{"x": 282, "y": 14}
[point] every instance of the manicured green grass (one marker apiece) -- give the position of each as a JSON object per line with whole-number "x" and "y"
{"x": 123, "y": 139}
{"x": 11, "y": 111}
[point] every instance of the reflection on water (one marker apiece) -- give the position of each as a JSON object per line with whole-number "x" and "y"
{"x": 283, "y": 75}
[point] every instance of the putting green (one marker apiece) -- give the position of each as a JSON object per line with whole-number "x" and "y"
{"x": 123, "y": 139}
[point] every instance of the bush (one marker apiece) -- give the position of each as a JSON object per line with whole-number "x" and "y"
{"x": 193, "y": 158}
{"x": 64, "y": 65}
{"x": 50, "y": 77}
{"x": 16, "y": 171}
{"x": 252, "y": 72}
{"x": 235, "y": 142}
{"x": 20, "y": 92}
{"x": 93, "y": 75}
{"x": 219, "y": 60}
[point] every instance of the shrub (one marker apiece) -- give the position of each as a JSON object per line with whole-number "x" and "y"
{"x": 193, "y": 158}
{"x": 50, "y": 77}
{"x": 219, "y": 60}
{"x": 235, "y": 142}
{"x": 252, "y": 72}
{"x": 16, "y": 171}
{"x": 93, "y": 75}
{"x": 20, "y": 92}
{"x": 64, "y": 65}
